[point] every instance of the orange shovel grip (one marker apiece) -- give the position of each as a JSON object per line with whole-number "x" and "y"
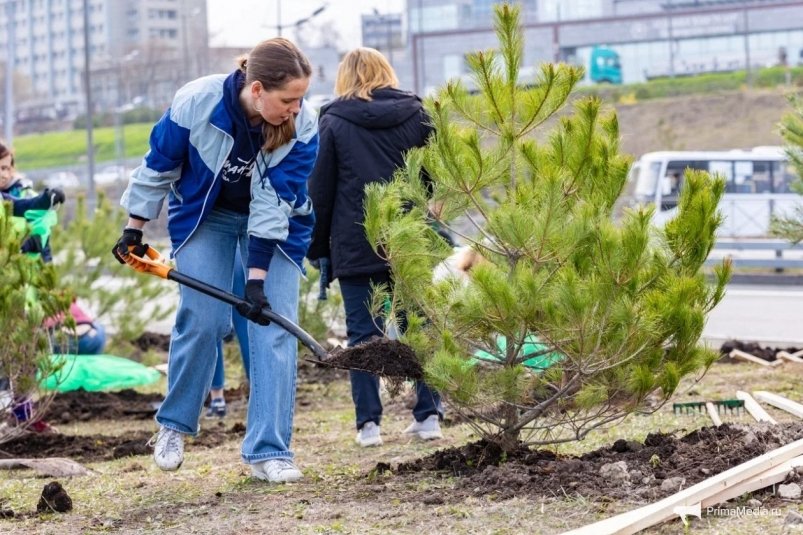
{"x": 153, "y": 262}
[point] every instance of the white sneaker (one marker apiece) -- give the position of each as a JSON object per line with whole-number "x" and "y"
{"x": 369, "y": 435}
{"x": 429, "y": 429}
{"x": 276, "y": 471}
{"x": 168, "y": 449}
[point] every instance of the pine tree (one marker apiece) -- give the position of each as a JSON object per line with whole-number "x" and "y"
{"x": 30, "y": 294}
{"x": 791, "y": 226}
{"x": 617, "y": 306}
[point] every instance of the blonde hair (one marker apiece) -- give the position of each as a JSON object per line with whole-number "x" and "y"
{"x": 274, "y": 63}
{"x": 361, "y": 72}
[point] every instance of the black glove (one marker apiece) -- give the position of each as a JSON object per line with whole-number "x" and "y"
{"x": 131, "y": 237}
{"x": 56, "y": 196}
{"x": 255, "y": 301}
{"x": 32, "y": 244}
{"x": 47, "y": 199}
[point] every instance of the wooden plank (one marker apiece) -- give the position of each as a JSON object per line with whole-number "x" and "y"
{"x": 798, "y": 353}
{"x": 51, "y": 466}
{"x": 747, "y": 357}
{"x": 755, "y": 410}
{"x": 712, "y": 412}
{"x": 781, "y": 402}
{"x": 763, "y": 480}
{"x": 655, "y": 513}
{"x": 789, "y": 357}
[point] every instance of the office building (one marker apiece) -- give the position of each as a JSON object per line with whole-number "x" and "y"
{"x": 140, "y": 50}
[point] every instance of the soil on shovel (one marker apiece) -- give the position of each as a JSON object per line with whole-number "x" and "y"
{"x": 380, "y": 356}
{"x": 626, "y": 470}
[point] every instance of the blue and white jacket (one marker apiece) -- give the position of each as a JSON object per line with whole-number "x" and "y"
{"x": 188, "y": 148}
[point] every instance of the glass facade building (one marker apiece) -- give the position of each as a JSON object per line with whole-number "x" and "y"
{"x": 652, "y": 37}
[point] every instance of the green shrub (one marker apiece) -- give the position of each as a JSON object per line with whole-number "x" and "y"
{"x": 30, "y": 295}
{"x": 123, "y": 299}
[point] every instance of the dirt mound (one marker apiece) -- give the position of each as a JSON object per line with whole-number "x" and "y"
{"x": 766, "y": 353}
{"x": 91, "y": 448}
{"x": 626, "y": 470}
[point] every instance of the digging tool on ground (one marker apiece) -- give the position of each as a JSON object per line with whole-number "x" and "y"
{"x": 730, "y": 406}
{"x": 154, "y": 263}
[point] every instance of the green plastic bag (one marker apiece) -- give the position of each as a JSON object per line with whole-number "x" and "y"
{"x": 96, "y": 373}
{"x": 36, "y": 223}
{"x": 531, "y": 345}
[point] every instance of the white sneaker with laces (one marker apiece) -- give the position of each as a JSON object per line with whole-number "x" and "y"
{"x": 369, "y": 435}
{"x": 276, "y": 471}
{"x": 168, "y": 449}
{"x": 429, "y": 429}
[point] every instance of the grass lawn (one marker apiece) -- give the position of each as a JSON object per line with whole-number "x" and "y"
{"x": 213, "y": 493}
{"x": 55, "y": 149}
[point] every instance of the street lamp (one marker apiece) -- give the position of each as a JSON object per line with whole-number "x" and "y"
{"x": 279, "y": 26}
{"x": 119, "y": 113}
{"x": 188, "y": 73}
{"x": 10, "y": 60}
{"x": 90, "y": 143}
{"x": 387, "y": 22}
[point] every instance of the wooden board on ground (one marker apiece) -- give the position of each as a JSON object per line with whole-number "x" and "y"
{"x": 789, "y": 357}
{"x": 781, "y": 402}
{"x": 763, "y": 480}
{"x": 655, "y": 513}
{"x": 755, "y": 410}
{"x": 50, "y": 467}
{"x": 747, "y": 357}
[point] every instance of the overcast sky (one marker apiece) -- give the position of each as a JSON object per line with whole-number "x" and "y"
{"x": 246, "y": 22}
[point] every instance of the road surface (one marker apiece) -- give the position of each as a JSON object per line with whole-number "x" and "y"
{"x": 771, "y": 315}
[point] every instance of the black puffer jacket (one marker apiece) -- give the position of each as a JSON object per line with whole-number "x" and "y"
{"x": 360, "y": 142}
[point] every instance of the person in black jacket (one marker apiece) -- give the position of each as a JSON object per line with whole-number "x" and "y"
{"x": 364, "y": 134}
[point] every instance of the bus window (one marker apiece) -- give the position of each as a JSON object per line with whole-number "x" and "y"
{"x": 647, "y": 182}
{"x": 724, "y": 169}
{"x": 761, "y": 177}
{"x": 673, "y": 181}
{"x": 782, "y": 177}
{"x": 742, "y": 178}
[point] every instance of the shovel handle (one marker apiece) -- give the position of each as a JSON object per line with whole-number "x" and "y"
{"x": 302, "y": 335}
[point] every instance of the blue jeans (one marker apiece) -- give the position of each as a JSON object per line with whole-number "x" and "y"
{"x": 240, "y": 329}
{"x": 91, "y": 343}
{"x": 360, "y": 327}
{"x": 202, "y": 320}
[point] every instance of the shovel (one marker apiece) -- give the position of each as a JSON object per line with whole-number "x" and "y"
{"x": 380, "y": 356}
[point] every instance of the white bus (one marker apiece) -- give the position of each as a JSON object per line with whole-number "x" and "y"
{"x": 757, "y": 185}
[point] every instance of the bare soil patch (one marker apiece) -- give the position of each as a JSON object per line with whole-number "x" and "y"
{"x": 83, "y": 406}
{"x": 94, "y": 448}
